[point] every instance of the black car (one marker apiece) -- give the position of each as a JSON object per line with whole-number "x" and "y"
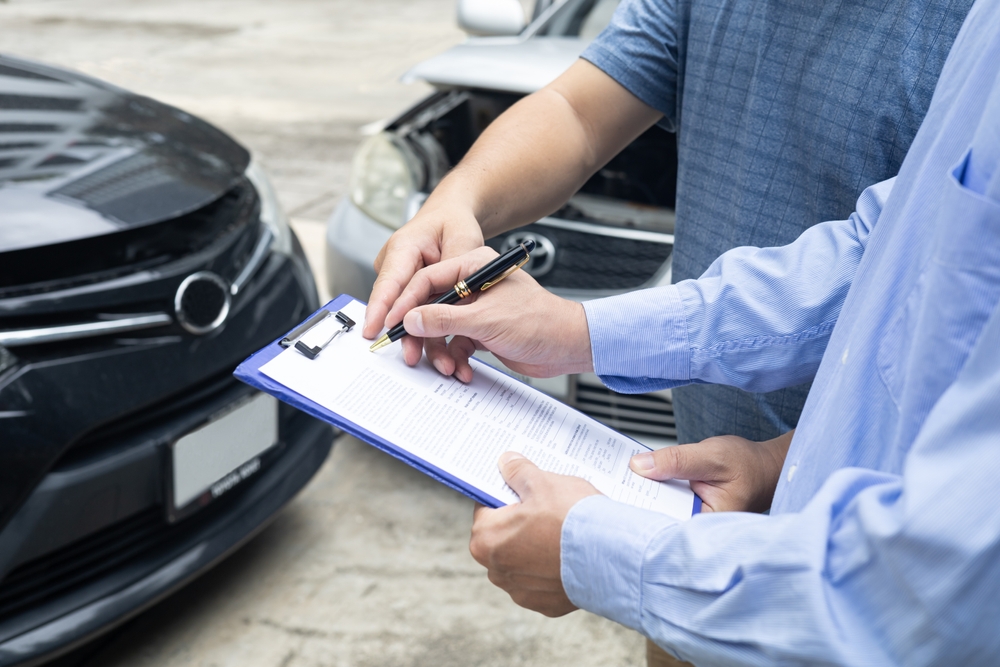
{"x": 143, "y": 255}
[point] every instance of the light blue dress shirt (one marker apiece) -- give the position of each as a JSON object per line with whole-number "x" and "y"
{"x": 883, "y": 545}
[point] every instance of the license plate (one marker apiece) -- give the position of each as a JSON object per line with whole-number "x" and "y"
{"x": 212, "y": 460}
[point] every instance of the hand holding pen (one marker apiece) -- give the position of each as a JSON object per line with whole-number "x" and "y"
{"x": 480, "y": 281}
{"x": 530, "y": 329}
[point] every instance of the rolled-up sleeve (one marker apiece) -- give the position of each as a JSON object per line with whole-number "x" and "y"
{"x": 758, "y": 318}
{"x": 638, "y": 49}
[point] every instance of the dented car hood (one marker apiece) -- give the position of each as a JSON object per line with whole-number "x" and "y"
{"x": 508, "y": 64}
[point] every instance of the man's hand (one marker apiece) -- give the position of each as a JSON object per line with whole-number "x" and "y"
{"x": 527, "y": 327}
{"x": 728, "y": 473}
{"x": 434, "y": 234}
{"x": 520, "y": 544}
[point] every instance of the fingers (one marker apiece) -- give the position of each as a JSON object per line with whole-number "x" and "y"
{"x": 413, "y": 348}
{"x": 437, "y": 353}
{"x": 450, "y": 357}
{"x": 398, "y": 265}
{"x": 519, "y": 473}
{"x": 437, "y": 279}
{"x": 697, "y": 462}
{"x": 461, "y": 349}
{"x": 438, "y": 321}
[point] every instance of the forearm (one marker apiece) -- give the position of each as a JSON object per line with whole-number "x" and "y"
{"x": 526, "y": 164}
{"x": 758, "y": 319}
{"x": 538, "y": 153}
{"x": 876, "y": 568}
{"x": 523, "y": 167}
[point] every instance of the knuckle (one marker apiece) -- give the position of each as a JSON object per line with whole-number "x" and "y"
{"x": 445, "y": 319}
{"x": 478, "y": 549}
{"x": 516, "y": 472}
{"x": 671, "y": 459}
{"x": 522, "y": 598}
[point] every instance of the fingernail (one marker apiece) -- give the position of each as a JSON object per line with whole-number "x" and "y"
{"x": 416, "y": 326}
{"x": 643, "y": 461}
{"x": 439, "y": 365}
{"x": 507, "y": 457}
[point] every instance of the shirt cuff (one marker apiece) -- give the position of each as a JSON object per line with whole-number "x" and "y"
{"x": 602, "y": 550}
{"x": 639, "y": 340}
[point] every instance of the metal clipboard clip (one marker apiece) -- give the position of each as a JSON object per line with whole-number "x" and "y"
{"x": 312, "y": 352}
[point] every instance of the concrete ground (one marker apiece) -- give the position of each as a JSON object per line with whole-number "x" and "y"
{"x": 369, "y": 566}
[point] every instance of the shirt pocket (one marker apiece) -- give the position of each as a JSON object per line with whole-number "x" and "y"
{"x": 930, "y": 335}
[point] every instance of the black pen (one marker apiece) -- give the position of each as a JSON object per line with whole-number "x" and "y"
{"x": 480, "y": 281}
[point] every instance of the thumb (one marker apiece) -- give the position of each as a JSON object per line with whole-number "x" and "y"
{"x": 678, "y": 462}
{"x": 519, "y": 473}
{"x": 437, "y": 321}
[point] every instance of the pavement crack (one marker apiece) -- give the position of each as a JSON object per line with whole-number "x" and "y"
{"x": 295, "y": 631}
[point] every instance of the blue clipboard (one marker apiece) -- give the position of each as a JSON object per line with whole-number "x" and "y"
{"x": 249, "y": 372}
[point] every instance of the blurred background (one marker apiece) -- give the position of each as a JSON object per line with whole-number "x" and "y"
{"x": 369, "y": 565}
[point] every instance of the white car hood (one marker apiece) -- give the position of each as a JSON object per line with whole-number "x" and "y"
{"x": 500, "y": 63}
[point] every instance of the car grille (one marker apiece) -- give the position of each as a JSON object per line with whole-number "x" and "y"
{"x": 56, "y": 573}
{"x": 586, "y": 261}
{"x": 633, "y": 414}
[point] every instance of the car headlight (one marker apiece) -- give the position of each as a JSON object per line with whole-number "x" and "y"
{"x": 385, "y": 174}
{"x": 271, "y": 213}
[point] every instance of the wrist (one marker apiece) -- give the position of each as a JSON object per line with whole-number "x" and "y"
{"x": 777, "y": 450}
{"x": 571, "y": 334}
{"x": 453, "y": 194}
{"x": 576, "y": 338}
{"x": 774, "y": 452}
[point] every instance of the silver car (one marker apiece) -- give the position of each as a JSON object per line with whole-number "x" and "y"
{"x": 614, "y": 235}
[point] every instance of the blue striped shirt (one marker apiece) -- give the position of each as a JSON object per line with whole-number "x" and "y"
{"x": 784, "y": 111}
{"x": 883, "y": 545}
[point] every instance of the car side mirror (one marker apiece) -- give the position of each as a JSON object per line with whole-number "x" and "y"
{"x": 490, "y": 17}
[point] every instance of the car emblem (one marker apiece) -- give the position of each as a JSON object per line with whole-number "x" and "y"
{"x": 202, "y": 302}
{"x": 543, "y": 257}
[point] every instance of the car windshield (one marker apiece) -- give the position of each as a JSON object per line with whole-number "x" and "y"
{"x": 579, "y": 18}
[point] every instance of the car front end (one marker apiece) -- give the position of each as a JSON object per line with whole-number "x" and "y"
{"x": 143, "y": 255}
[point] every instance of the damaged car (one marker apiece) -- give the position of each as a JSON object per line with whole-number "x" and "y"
{"x": 614, "y": 235}
{"x": 143, "y": 255}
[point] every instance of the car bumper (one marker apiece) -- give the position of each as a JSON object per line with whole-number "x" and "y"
{"x": 353, "y": 241}
{"x": 182, "y": 552}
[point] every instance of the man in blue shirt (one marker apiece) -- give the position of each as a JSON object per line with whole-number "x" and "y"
{"x": 883, "y": 542}
{"x": 784, "y": 112}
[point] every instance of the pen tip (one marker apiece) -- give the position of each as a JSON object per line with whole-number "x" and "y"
{"x": 380, "y": 343}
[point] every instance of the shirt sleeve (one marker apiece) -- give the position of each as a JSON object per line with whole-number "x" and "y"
{"x": 758, "y": 319}
{"x": 876, "y": 569}
{"x": 638, "y": 49}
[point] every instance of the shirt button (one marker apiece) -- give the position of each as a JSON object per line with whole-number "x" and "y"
{"x": 843, "y": 358}
{"x": 791, "y": 472}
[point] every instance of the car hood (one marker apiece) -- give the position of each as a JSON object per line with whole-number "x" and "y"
{"x": 501, "y": 63}
{"x": 80, "y": 158}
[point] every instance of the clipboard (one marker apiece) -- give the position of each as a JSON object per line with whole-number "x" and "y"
{"x": 250, "y": 373}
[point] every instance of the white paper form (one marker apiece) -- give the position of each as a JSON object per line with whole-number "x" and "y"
{"x": 464, "y": 428}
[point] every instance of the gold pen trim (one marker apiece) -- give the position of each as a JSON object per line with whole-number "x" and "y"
{"x": 506, "y": 273}
{"x": 462, "y": 290}
{"x": 380, "y": 343}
